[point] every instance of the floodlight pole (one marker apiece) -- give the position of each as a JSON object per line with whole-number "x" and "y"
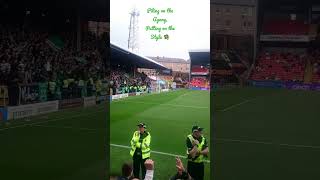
{"x": 133, "y": 31}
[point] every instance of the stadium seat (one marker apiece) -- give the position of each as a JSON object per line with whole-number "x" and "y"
{"x": 276, "y": 66}
{"x": 285, "y": 27}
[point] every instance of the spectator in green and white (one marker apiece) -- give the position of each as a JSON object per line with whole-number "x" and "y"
{"x": 52, "y": 88}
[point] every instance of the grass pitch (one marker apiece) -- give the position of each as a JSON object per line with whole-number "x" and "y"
{"x": 70, "y": 144}
{"x": 266, "y": 134}
{"x": 65, "y": 145}
{"x": 259, "y": 134}
{"x": 169, "y": 118}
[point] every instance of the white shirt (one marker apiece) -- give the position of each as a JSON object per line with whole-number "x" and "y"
{"x": 48, "y": 66}
{"x": 149, "y": 175}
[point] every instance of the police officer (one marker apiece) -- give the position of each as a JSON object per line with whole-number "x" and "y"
{"x": 140, "y": 149}
{"x": 197, "y": 150}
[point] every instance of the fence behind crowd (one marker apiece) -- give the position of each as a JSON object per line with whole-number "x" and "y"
{"x": 225, "y": 85}
{"x": 3, "y": 96}
{"x": 38, "y": 98}
{"x": 32, "y": 93}
{"x": 286, "y": 85}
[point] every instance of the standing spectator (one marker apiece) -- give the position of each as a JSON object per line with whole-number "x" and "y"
{"x": 181, "y": 174}
{"x": 13, "y": 88}
{"x": 127, "y": 171}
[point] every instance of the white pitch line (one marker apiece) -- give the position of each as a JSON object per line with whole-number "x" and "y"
{"x": 235, "y": 105}
{"x": 66, "y": 127}
{"x": 267, "y": 143}
{"x": 300, "y": 146}
{"x": 173, "y": 105}
{"x": 130, "y": 98}
{"x": 184, "y": 94}
{"x": 89, "y": 129}
{"x": 156, "y": 152}
{"x": 140, "y": 96}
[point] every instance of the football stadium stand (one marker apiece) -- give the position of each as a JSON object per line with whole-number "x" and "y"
{"x": 33, "y": 57}
{"x": 287, "y": 27}
{"x": 279, "y": 66}
{"x": 125, "y": 77}
{"x": 199, "y": 71}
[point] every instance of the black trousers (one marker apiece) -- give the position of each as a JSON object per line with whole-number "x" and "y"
{"x": 65, "y": 93}
{"x": 13, "y": 93}
{"x": 196, "y": 170}
{"x": 137, "y": 163}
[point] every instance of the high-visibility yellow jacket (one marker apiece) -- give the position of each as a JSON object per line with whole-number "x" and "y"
{"x": 65, "y": 83}
{"x": 200, "y": 158}
{"x": 52, "y": 86}
{"x": 144, "y": 145}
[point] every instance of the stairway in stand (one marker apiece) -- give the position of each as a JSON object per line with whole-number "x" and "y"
{"x": 308, "y": 72}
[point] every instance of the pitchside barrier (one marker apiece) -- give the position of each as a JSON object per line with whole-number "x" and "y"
{"x": 70, "y": 103}
{"x": 3, "y": 114}
{"x": 3, "y": 96}
{"x": 32, "y": 100}
{"x": 38, "y": 92}
{"x": 164, "y": 90}
{"x": 200, "y": 88}
{"x": 286, "y": 85}
{"x": 22, "y": 111}
{"x": 89, "y": 101}
{"x": 32, "y": 93}
{"x": 27, "y": 110}
{"x": 122, "y": 96}
{"x": 225, "y": 85}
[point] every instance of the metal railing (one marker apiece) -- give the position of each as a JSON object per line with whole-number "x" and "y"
{"x": 4, "y": 96}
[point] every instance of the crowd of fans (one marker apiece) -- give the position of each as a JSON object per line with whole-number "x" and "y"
{"x": 127, "y": 171}
{"x": 124, "y": 82}
{"x": 28, "y": 56}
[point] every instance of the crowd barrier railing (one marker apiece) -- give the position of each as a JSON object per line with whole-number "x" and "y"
{"x": 32, "y": 99}
{"x": 286, "y": 85}
{"x": 126, "y": 95}
{"x": 4, "y": 96}
{"x": 26, "y": 110}
{"x": 225, "y": 85}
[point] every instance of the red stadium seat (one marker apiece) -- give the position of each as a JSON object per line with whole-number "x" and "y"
{"x": 285, "y": 27}
{"x": 201, "y": 82}
{"x": 276, "y": 66}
